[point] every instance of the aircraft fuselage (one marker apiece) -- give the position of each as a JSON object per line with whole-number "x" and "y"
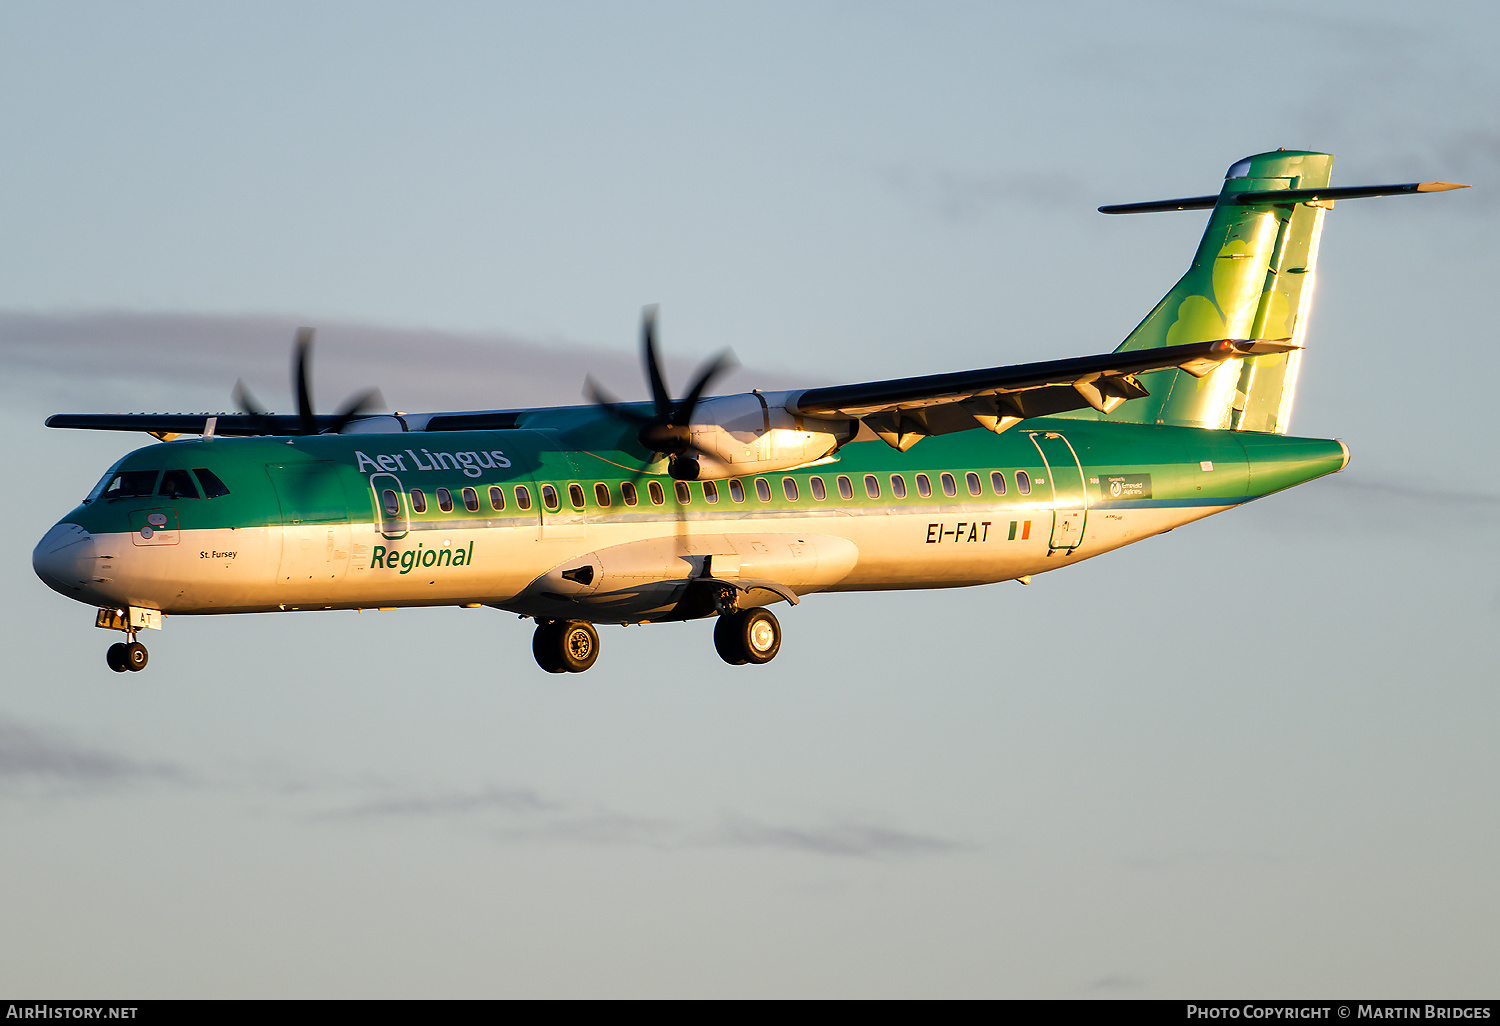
{"x": 539, "y": 520}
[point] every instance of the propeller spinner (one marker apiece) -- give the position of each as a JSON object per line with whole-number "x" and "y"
{"x": 668, "y": 432}
{"x": 307, "y": 419}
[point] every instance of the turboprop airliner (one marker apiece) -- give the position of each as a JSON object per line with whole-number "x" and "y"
{"x": 722, "y": 506}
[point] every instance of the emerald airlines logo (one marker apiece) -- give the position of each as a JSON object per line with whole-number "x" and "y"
{"x": 472, "y": 463}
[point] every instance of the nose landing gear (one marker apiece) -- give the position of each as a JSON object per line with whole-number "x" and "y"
{"x": 129, "y": 654}
{"x": 123, "y": 656}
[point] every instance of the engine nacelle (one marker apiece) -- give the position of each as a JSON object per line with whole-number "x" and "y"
{"x": 753, "y": 433}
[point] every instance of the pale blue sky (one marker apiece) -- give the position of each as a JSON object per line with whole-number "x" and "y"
{"x": 1255, "y": 756}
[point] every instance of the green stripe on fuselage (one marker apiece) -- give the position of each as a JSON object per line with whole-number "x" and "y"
{"x": 1244, "y": 465}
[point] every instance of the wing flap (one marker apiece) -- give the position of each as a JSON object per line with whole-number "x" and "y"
{"x": 941, "y": 403}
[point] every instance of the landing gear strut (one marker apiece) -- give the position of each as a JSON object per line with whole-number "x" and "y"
{"x": 565, "y": 646}
{"x": 748, "y": 636}
{"x": 123, "y": 656}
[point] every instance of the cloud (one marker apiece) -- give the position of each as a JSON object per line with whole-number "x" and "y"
{"x": 603, "y": 827}
{"x": 1414, "y": 493}
{"x": 491, "y": 799}
{"x": 126, "y": 357}
{"x": 959, "y": 197}
{"x": 856, "y": 840}
{"x": 29, "y": 756}
{"x": 522, "y": 814}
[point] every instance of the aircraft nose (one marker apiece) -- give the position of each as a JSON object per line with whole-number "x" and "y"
{"x": 64, "y": 559}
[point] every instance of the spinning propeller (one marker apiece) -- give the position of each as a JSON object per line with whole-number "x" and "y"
{"x": 667, "y": 432}
{"x": 307, "y": 420}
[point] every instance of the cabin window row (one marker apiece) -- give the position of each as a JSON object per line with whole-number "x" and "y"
{"x": 630, "y": 494}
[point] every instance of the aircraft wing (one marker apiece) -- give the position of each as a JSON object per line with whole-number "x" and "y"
{"x": 171, "y": 424}
{"x": 902, "y": 411}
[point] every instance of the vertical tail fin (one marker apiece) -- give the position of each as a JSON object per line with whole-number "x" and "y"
{"x": 1252, "y": 277}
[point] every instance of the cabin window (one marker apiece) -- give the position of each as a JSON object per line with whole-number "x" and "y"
{"x": 736, "y": 489}
{"x": 390, "y": 503}
{"x": 575, "y": 495}
{"x": 549, "y": 497}
{"x": 213, "y": 488}
{"x": 471, "y": 500}
{"x": 1023, "y": 482}
{"x": 445, "y": 500}
{"x": 898, "y": 486}
{"x": 819, "y": 492}
{"x": 497, "y": 498}
{"x": 628, "y": 493}
{"x": 762, "y": 490}
{"x": 789, "y": 489}
{"x": 997, "y": 482}
{"x": 684, "y": 494}
{"x": 872, "y": 486}
{"x": 972, "y": 480}
{"x": 178, "y": 484}
{"x": 924, "y": 486}
{"x": 846, "y": 487}
{"x": 129, "y": 484}
{"x": 523, "y": 497}
{"x": 710, "y": 491}
{"x": 418, "y": 501}
{"x": 601, "y": 494}
{"x": 950, "y": 486}
{"x": 653, "y": 488}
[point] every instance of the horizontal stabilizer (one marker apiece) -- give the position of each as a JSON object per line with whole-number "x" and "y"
{"x": 1281, "y": 196}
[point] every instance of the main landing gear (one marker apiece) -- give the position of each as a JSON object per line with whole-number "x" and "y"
{"x": 571, "y": 646}
{"x": 747, "y": 636}
{"x": 565, "y": 646}
{"x": 124, "y": 656}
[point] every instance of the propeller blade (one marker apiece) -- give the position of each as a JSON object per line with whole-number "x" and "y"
{"x": 248, "y": 406}
{"x": 611, "y": 405}
{"x": 307, "y": 420}
{"x": 659, "y": 394}
{"x": 721, "y": 363}
{"x": 353, "y": 407}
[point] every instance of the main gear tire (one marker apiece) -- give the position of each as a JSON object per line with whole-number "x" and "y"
{"x": 578, "y": 645}
{"x": 546, "y": 648}
{"x": 751, "y": 636}
{"x": 566, "y": 646}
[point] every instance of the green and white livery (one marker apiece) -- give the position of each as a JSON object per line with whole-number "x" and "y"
{"x": 721, "y": 506}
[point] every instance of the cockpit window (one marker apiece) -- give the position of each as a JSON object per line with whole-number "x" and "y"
{"x": 129, "y": 484}
{"x": 177, "y": 484}
{"x": 213, "y": 488}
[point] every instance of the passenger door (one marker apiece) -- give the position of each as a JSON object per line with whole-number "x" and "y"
{"x": 1069, "y": 497}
